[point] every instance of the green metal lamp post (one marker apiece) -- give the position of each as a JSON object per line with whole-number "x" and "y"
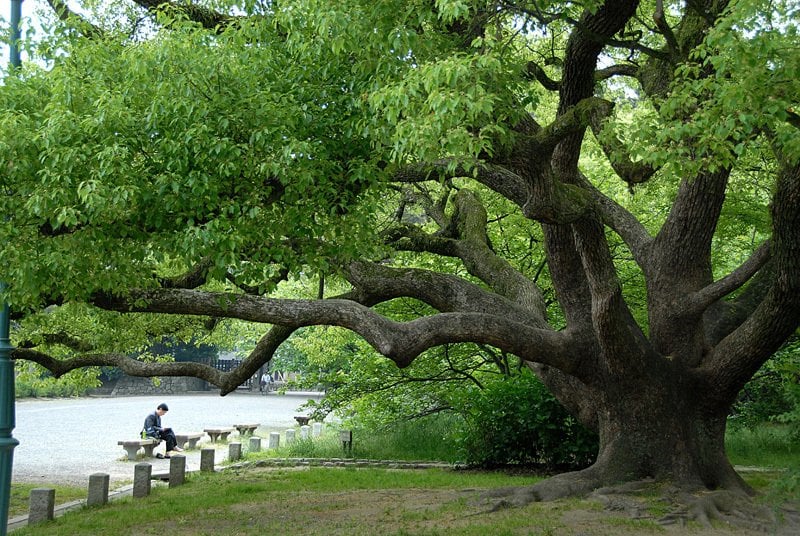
{"x": 16, "y": 16}
{"x": 7, "y": 421}
{"x": 7, "y": 442}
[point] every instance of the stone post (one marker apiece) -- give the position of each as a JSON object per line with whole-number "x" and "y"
{"x": 98, "y": 489}
{"x": 234, "y": 451}
{"x": 274, "y": 440}
{"x": 207, "y": 460}
{"x": 304, "y": 431}
{"x": 42, "y": 505}
{"x": 177, "y": 470}
{"x": 316, "y": 429}
{"x": 142, "y": 472}
{"x": 290, "y": 436}
{"x": 255, "y": 444}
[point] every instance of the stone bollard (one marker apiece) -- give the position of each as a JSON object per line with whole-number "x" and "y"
{"x": 304, "y": 431}
{"x": 317, "y": 429}
{"x": 234, "y": 451}
{"x": 42, "y": 505}
{"x": 177, "y": 470}
{"x": 290, "y": 436}
{"x": 98, "y": 489}
{"x": 255, "y": 444}
{"x": 207, "y": 460}
{"x": 142, "y": 472}
{"x": 275, "y": 440}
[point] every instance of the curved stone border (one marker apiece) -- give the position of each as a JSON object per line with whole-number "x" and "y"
{"x": 342, "y": 462}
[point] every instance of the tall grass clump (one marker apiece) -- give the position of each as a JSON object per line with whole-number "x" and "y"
{"x": 766, "y": 445}
{"x": 431, "y": 438}
{"x": 428, "y": 439}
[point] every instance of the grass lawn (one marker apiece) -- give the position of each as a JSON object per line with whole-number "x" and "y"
{"x": 21, "y": 493}
{"x": 381, "y": 501}
{"x": 350, "y": 501}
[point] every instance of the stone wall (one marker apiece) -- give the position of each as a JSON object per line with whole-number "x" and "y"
{"x": 133, "y": 386}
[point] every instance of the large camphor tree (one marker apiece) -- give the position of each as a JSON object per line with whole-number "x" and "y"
{"x": 169, "y": 158}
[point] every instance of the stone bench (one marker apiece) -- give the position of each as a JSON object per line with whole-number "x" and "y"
{"x": 132, "y": 447}
{"x": 246, "y": 429}
{"x": 190, "y": 440}
{"x": 218, "y": 433}
{"x": 302, "y": 420}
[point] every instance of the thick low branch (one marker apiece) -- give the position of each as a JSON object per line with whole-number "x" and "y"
{"x": 128, "y": 365}
{"x": 401, "y": 342}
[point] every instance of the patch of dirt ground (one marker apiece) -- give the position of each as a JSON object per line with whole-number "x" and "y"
{"x": 446, "y": 512}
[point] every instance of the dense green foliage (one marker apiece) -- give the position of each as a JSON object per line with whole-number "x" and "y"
{"x": 517, "y": 421}
{"x": 773, "y": 395}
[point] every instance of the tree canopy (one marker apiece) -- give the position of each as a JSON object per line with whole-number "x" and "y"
{"x": 609, "y": 191}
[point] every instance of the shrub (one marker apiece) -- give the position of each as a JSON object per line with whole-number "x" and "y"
{"x": 517, "y": 421}
{"x": 774, "y": 392}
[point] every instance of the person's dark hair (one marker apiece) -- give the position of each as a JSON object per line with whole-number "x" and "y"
{"x": 163, "y": 406}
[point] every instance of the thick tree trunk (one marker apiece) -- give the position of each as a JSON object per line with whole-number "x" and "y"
{"x": 655, "y": 428}
{"x": 656, "y": 434}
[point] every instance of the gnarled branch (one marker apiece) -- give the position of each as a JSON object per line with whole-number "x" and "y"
{"x": 401, "y": 342}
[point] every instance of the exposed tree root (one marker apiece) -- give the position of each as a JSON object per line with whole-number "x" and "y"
{"x": 648, "y": 499}
{"x": 576, "y": 484}
{"x": 731, "y": 508}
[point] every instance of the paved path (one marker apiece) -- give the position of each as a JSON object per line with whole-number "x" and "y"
{"x": 63, "y": 441}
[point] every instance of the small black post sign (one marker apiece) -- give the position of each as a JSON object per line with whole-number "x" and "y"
{"x": 346, "y": 437}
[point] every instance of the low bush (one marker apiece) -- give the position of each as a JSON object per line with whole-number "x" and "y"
{"x": 517, "y": 421}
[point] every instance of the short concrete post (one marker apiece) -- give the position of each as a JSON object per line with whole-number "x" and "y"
{"x": 275, "y": 440}
{"x": 304, "y": 431}
{"x": 98, "y": 489}
{"x": 316, "y": 429}
{"x": 42, "y": 505}
{"x": 234, "y": 451}
{"x": 207, "y": 460}
{"x": 177, "y": 470}
{"x": 142, "y": 472}
{"x": 255, "y": 444}
{"x": 290, "y": 436}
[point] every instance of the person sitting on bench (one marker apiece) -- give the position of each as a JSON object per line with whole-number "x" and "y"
{"x": 152, "y": 428}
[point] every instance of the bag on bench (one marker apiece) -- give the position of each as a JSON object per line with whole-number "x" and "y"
{"x": 145, "y": 436}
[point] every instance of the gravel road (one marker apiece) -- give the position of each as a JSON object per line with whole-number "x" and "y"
{"x": 63, "y": 441}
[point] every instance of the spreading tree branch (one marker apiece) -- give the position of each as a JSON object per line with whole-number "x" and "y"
{"x": 79, "y": 22}
{"x": 733, "y": 281}
{"x": 401, "y": 342}
{"x": 208, "y": 18}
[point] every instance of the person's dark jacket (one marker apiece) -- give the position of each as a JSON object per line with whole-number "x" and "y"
{"x": 152, "y": 426}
